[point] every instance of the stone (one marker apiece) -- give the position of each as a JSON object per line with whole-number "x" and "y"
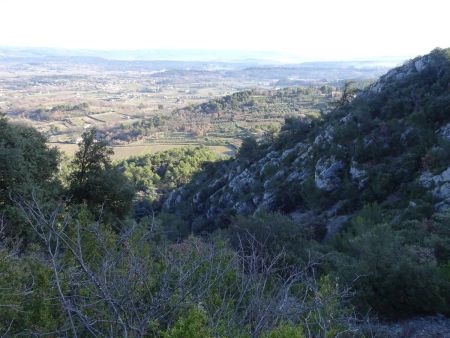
{"x": 287, "y": 152}
{"x": 326, "y": 136}
{"x": 376, "y": 88}
{"x": 421, "y": 64}
{"x": 242, "y": 182}
{"x": 440, "y": 185}
{"x": 426, "y": 179}
{"x": 297, "y": 176}
{"x": 327, "y": 174}
{"x": 357, "y": 175}
{"x": 444, "y": 132}
{"x": 267, "y": 201}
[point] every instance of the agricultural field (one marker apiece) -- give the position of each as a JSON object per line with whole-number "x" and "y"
{"x": 126, "y": 151}
{"x": 144, "y": 107}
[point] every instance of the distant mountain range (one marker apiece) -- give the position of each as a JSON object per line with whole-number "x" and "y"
{"x": 247, "y": 58}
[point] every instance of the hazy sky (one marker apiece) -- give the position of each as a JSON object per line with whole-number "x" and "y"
{"x": 325, "y": 29}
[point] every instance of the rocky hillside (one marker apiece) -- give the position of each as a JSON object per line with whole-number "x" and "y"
{"x": 390, "y": 145}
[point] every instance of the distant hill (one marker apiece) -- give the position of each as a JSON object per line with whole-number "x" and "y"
{"x": 252, "y": 62}
{"x": 256, "y": 102}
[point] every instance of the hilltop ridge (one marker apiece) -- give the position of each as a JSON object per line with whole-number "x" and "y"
{"x": 391, "y": 140}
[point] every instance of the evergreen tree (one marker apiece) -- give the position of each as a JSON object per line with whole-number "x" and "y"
{"x": 95, "y": 181}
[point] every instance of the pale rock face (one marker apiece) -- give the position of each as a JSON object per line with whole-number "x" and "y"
{"x": 376, "y": 88}
{"x": 214, "y": 184}
{"x": 212, "y": 212}
{"x": 297, "y": 176}
{"x": 440, "y": 184}
{"x": 196, "y": 198}
{"x": 426, "y": 179}
{"x": 286, "y": 153}
{"x": 272, "y": 163}
{"x": 346, "y": 118}
{"x": 397, "y": 74}
{"x": 358, "y": 175}
{"x": 267, "y": 196}
{"x": 442, "y": 191}
{"x": 242, "y": 182}
{"x": 272, "y": 154}
{"x": 267, "y": 201}
{"x": 243, "y": 207}
{"x": 405, "y": 136}
{"x": 256, "y": 199}
{"x": 304, "y": 151}
{"x": 327, "y": 174}
{"x": 172, "y": 199}
{"x": 279, "y": 174}
{"x": 327, "y": 136}
{"x": 421, "y": 64}
{"x": 444, "y": 132}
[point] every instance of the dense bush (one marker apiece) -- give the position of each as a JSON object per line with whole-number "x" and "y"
{"x": 156, "y": 174}
{"x": 27, "y": 168}
{"x": 28, "y": 302}
{"x": 144, "y": 286}
{"x": 248, "y": 150}
{"x": 94, "y": 181}
{"x": 276, "y": 233}
{"x": 394, "y": 272}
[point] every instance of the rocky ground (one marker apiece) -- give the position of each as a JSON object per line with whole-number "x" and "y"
{"x": 424, "y": 327}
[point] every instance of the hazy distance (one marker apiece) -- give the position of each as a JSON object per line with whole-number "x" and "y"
{"x": 284, "y": 30}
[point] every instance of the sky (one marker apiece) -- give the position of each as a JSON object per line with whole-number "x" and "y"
{"x": 315, "y": 29}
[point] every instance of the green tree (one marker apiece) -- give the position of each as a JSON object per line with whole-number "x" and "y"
{"x": 27, "y": 167}
{"x": 249, "y": 149}
{"x": 92, "y": 158}
{"x": 194, "y": 324}
{"x": 96, "y": 182}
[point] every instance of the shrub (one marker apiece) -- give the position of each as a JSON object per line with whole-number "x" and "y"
{"x": 275, "y": 232}
{"x": 193, "y": 324}
{"x": 27, "y": 167}
{"x": 391, "y": 276}
{"x": 285, "y": 330}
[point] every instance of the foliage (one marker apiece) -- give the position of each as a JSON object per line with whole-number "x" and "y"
{"x": 248, "y": 150}
{"x": 95, "y": 181}
{"x": 156, "y": 174}
{"x": 393, "y": 271}
{"x": 260, "y": 274}
{"x": 276, "y": 232}
{"x": 194, "y": 288}
{"x": 27, "y": 166}
{"x": 194, "y": 324}
{"x": 28, "y": 302}
{"x": 285, "y": 330}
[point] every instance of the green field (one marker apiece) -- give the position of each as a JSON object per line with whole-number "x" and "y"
{"x": 123, "y": 152}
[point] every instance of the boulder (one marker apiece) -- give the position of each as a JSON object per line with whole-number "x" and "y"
{"x": 328, "y": 173}
{"x": 440, "y": 185}
{"x": 421, "y": 64}
{"x": 358, "y": 175}
{"x": 444, "y": 132}
{"x": 242, "y": 183}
